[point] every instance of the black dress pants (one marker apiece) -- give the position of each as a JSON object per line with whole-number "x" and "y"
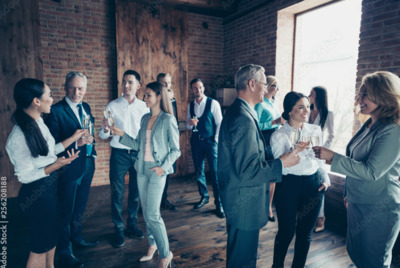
{"x": 297, "y": 202}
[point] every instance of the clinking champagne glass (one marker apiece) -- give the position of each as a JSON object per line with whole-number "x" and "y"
{"x": 294, "y": 138}
{"x": 87, "y": 125}
{"x": 195, "y": 127}
{"x": 306, "y": 139}
{"x": 110, "y": 119}
{"x": 314, "y": 141}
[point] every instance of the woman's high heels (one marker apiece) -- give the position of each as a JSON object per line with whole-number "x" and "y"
{"x": 150, "y": 256}
{"x": 168, "y": 261}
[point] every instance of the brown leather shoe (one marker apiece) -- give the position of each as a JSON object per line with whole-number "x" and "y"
{"x": 320, "y": 227}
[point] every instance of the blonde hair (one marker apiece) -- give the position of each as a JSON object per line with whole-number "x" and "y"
{"x": 383, "y": 88}
{"x": 165, "y": 103}
{"x": 271, "y": 80}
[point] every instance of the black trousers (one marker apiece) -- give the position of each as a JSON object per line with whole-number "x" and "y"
{"x": 242, "y": 248}
{"x": 73, "y": 195}
{"x": 121, "y": 162}
{"x": 297, "y": 202}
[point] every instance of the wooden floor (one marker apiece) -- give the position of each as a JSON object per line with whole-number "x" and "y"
{"x": 197, "y": 238}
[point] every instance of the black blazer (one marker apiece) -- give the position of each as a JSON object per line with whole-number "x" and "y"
{"x": 62, "y": 124}
{"x": 244, "y": 173}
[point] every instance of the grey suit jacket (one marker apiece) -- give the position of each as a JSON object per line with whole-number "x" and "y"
{"x": 373, "y": 167}
{"x": 164, "y": 142}
{"x": 243, "y": 172}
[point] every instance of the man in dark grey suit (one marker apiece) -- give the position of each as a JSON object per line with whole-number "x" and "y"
{"x": 243, "y": 169}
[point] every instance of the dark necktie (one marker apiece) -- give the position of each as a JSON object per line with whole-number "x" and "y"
{"x": 80, "y": 112}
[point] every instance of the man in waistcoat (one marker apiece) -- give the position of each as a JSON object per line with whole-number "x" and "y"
{"x": 204, "y": 119}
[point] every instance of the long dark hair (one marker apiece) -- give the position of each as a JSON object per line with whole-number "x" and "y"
{"x": 321, "y": 100}
{"x": 289, "y": 102}
{"x": 24, "y": 92}
{"x": 165, "y": 103}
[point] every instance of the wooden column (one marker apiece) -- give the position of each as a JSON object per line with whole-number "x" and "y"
{"x": 152, "y": 39}
{"x": 20, "y": 58}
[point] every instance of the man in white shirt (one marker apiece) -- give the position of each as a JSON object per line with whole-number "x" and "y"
{"x": 204, "y": 118}
{"x": 74, "y": 183}
{"x": 127, "y": 112}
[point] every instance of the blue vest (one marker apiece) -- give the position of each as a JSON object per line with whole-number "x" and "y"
{"x": 206, "y": 126}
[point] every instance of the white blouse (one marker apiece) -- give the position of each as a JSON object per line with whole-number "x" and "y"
{"x": 280, "y": 144}
{"x": 329, "y": 126}
{"x": 29, "y": 168}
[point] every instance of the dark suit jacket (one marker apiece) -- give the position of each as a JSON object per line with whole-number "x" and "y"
{"x": 62, "y": 124}
{"x": 243, "y": 172}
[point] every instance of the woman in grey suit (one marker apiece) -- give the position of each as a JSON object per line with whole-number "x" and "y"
{"x": 158, "y": 148}
{"x": 372, "y": 167}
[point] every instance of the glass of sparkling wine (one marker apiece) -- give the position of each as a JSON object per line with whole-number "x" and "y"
{"x": 87, "y": 125}
{"x": 314, "y": 141}
{"x": 195, "y": 127}
{"x": 294, "y": 138}
{"x": 110, "y": 119}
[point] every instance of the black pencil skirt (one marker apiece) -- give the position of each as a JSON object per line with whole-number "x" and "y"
{"x": 38, "y": 202}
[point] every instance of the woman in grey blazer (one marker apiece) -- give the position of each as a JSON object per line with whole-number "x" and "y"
{"x": 372, "y": 167}
{"x": 158, "y": 148}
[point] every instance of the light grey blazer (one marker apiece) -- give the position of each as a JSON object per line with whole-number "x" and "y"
{"x": 373, "y": 166}
{"x": 164, "y": 142}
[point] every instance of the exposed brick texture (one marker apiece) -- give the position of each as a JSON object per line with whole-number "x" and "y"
{"x": 251, "y": 37}
{"x": 80, "y": 36}
{"x": 206, "y": 35}
{"x": 379, "y": 37}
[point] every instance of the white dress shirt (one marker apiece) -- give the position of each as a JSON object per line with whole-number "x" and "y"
{"x": 127, "y": 117}
{"x": 74, "y": 107}
{"x": 329, "y": 126}
{"x": 199, "y": 110}
{"x": 29, "y": 168}
{"x": 280, "y": 144}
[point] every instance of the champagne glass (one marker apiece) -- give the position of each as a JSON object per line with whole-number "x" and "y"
{"x": 314, "y": 141}
{"x": 195, "y": 126}
{"x": 87, "y": 125}
{"x": 307, "y": 139}
{"x": 110, "y": 119}
{"x": 294, "y": 138}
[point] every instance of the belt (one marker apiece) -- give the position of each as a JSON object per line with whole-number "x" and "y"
{"x": 129, "y": 151}
{"x": 201, "y": 138}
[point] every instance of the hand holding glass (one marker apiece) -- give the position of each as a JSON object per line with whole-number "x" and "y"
{"x": 195, "y": 126}
{"x": 110, "y": 119}
{"x": 88, "y": 126}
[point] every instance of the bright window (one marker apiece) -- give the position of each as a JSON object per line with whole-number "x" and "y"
{"x": 325, "y": 54}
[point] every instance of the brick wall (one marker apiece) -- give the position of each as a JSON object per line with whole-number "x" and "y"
{"x": 206, "y": 35}
{"x": 251, "y": 37}
{"x": 379, "y": 37}
{"x": 80, "y": 36}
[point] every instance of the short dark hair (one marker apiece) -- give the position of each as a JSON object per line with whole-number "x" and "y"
{"x": 162, "y": 75}
{"x": 195, "y": 81}
{"x": 134, "y": 73}
{"x": 289, "y": 102}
